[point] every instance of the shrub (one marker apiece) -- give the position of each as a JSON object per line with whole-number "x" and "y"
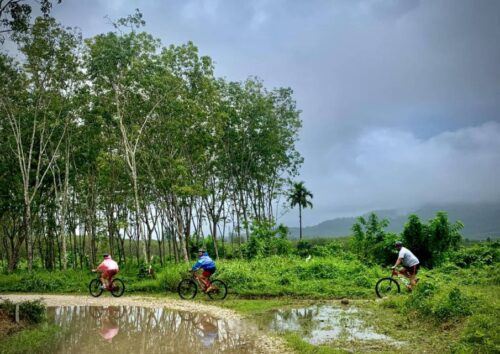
{"x": 482, "y": 333}
{"x": 484, "y": 253}
{"x": 29, "y": 311}
{"x": 453, "y": 305}
{"x": 41, "y": 339}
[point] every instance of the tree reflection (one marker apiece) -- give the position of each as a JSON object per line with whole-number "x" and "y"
{"x": 146, "y": 330}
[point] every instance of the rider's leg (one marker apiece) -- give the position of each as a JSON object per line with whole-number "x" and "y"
{"x": 207, "y": 275}
{"x": 404, "y": 272}
{"x": 413, "y": 275}
{"x": 204, "y": 280}
{"x": 103, "y": 279}
{"x": 407, "y": 273}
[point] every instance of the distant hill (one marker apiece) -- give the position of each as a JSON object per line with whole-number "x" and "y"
{"x": 480, "y": 221}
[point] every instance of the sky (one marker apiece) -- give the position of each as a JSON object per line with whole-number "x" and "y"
{"x": 400, "y": 99}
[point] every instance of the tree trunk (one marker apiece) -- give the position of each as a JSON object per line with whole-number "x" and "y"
{"x": 27, "y": 231}
{"x": 300, "y": 222}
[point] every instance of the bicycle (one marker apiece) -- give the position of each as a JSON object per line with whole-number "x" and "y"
{"x": 390, "y": 285}
{"x": 188, "y": 287}
{"x": 114, "y": 312}
{"x": 96, "y": 287}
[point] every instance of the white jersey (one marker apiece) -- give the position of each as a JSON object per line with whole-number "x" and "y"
{"x": 409, "y": 259}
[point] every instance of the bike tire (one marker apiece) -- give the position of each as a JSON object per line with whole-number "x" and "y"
{"x": 187, "y": 289}
{"x": 386, "y": 287}
{"x": 95, "y": 288}
{"x": 95, "y": 312}
{"x": 220, "y": 290}
{"x": 117, "y": 287}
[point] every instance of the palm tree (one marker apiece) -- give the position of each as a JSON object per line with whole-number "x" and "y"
{"x": 299, "y": 195}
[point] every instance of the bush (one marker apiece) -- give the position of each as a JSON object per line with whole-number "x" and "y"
{"x": 452, "y": 306}
{"x": 442, "y": 304}
{"x": 484, "y": 253}
{"x": 267, "y": 240}
{"x": 41, "y": 339}
{"x": 30, "y": 311}
{"x": 482, "y": 333}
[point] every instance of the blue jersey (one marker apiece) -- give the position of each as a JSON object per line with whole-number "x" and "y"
{"x": 205, "y": 263}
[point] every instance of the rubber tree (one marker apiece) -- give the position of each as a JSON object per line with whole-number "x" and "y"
{"x": 36, "y": 102}
{"x": 130, "y": 85}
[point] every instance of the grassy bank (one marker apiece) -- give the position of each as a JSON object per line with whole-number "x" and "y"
{"x": 455, "y": 307}
{"x": 32, "y": 334}
{"x": 321, "y": 277}
{"x": 32, "y": 340}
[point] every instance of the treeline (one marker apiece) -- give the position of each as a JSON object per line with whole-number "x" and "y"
{"x": 432, "y": 242}
{"x": 118, "y": 142}
{"x": 428, "y": 241}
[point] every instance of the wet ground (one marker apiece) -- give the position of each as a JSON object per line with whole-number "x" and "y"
{"x": 133, "y": 329}
{"x": 324, "y": 324}
{"x": 140, "y": 324}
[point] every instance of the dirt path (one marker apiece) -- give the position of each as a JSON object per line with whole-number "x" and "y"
{"x": 267, "y": 344}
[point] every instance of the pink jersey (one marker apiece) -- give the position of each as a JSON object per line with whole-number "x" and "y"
{"x": 108, "y": 264}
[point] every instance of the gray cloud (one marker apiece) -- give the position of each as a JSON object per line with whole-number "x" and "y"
{"x": 400, "y": 99}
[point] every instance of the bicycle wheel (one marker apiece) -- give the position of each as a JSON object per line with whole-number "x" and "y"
{"x": 95, "y": 287}
{"x": 386, "y": 287}
{"x": 95, "y": 312}
{"x": 117, "y": 287}
{"x": 219, "y": 291}
{"x": 187, "y": 289}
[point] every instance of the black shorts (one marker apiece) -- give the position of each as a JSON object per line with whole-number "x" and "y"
{"x": 413, "y": 270}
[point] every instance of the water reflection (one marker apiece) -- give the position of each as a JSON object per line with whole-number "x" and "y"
{"x": 89, "y": 329}
{"x": 321, "y": 324}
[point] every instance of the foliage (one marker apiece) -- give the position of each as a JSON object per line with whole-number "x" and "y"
{"x": 267, "y": 240}
{"x": 41, "y": 339}
{"x": 304, "y": 248}
{"x": 117, "y": 134}
{"x": 481, "y": 335}
{"x": 32, "y": 312}
{"x": 371, "y": 242}
{"x": 299, "y": 195}
{"x": 430, "y": 242}
{"x": 15, "y": 15}
{"x": 484, "y": 253}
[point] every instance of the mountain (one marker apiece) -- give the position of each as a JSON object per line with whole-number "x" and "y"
{"x": 481, "y": 220}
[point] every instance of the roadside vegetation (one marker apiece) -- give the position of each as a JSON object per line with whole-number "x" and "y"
{"x": 455, "y": 302}
{"x": 32, "y": 334}
{"x": 120, "y": 144}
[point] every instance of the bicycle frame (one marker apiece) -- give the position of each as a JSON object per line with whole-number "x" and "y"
{"x": 397, "y": 276}
{"x": 200, "y": 282}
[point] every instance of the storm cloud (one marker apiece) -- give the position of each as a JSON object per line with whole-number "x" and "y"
{"x": 400, "y": 98}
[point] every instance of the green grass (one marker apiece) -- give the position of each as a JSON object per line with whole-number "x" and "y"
{"x": 39, "y": 339}
{"x": 322, "y": 277}
{"x": 453, "y": 308}
{"x": 296, "y": 343}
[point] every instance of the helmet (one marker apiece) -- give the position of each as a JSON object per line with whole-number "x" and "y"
{"x": 201, "y": 250}
{"x": 398, "y": 243}
{"x": 105, "y": 255}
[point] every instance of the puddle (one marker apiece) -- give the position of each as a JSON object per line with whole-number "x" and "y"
{"x": 129, "y": 329}
{"x": 321, "y": 324}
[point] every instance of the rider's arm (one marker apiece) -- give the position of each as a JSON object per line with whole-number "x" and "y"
{"x": 398, "y": 262}
{"x": 197, "y": 265}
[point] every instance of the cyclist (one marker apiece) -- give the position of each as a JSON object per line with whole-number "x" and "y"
{"x": 208, "y": 265}
{"x": 411, "y": 264}
{"x": 108, "y": 269}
